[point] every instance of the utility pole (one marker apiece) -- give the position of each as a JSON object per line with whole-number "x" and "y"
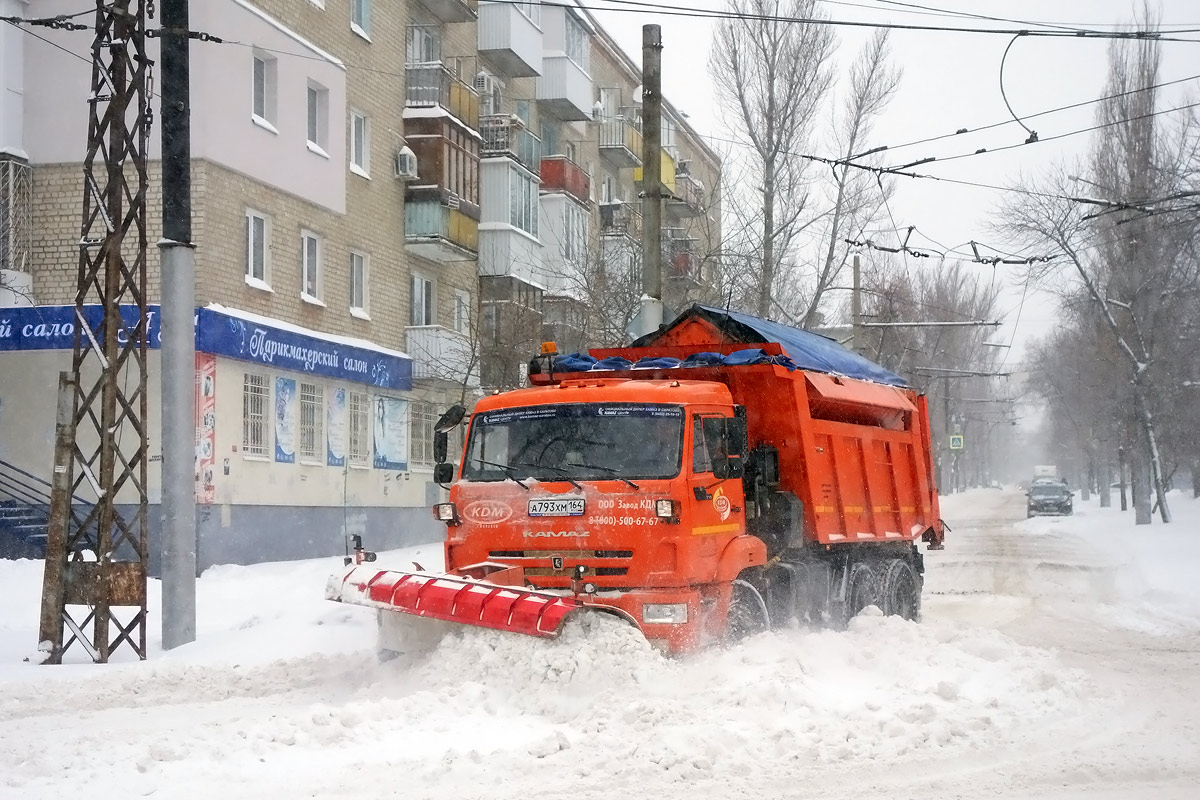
{"x": 856, "y": 342}
{"x": 651, "y": 313}
{"x": 178, "y": 396}
{"x": 96, "y": 550}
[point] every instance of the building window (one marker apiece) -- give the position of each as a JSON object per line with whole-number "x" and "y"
{"x": 256, "y": 394}
{"x": 422, "y": 301}
{"x": 422, "y": 416}
{"x": 576, "y": 43}
{"x": 318, "y": 119}
{"x": 258, "y": 248}
{"x": 574, "y": 243}
{"x": 424, "y": 44}
{"x": 360, "y": 17}
{"x": 523, "y": 201}
{"x": 310, "y": 253}
{"x": 360, "y": 428}
{"x": 312, "y": 417}
{"x": 462, "y": 311}
{"x": 358, "y": 282}
{"x": 531, "y": 9}
{"x": 265, "y": 77}
{"x": 360, "y": 145}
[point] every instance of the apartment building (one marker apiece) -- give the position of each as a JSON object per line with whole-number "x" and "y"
{"x": 393, "y": 203}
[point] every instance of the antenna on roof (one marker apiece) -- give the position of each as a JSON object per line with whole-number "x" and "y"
{"x": 729, "y": 301}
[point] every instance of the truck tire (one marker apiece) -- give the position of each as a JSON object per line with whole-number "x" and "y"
{"x": 900, "y": 590}
{"x": 747, "y": 612}
{"x": 862, "y": 590}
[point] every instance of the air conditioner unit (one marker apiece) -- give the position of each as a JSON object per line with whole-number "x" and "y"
{"x": 404, "y": 167}
{"x": 489, "y": 89}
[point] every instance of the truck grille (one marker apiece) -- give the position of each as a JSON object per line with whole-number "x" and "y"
{"x": 563, "y": 553}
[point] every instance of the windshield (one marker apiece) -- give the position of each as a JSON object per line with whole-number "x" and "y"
{"x": 593, "y": 441}
{"x": 1049, "y": 490}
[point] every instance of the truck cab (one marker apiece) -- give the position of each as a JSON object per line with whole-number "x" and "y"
{"x": 627, "y": 491}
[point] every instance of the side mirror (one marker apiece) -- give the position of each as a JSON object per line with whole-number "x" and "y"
{"x": 443, "y": 472}
{"x": 450, "y": 420}
{"x": 441, "y": 442}
{"x": 728, "y": 467}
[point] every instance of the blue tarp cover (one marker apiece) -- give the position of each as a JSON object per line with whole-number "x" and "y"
{"x": 807, "y": 350}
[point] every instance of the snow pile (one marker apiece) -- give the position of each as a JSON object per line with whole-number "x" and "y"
{"x": 1153, "y": 567}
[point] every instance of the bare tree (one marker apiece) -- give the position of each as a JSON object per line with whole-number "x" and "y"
{"x": 856, "y": 195}
{"x": 776, "y": 74}
{"x": 1130, "y": 252}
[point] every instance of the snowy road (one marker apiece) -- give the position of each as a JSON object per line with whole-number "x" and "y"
{"x": 1054, "y": 661}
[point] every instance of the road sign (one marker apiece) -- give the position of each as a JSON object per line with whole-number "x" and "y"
{"x": 956, "y": 441}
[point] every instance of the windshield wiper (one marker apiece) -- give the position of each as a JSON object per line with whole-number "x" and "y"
{"x": 560, "y": 471}
{"x": 508, "y": 471}
{"x": 610, "y": 471}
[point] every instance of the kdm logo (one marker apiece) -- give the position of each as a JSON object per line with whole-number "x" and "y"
{"x": 487, "y": 512}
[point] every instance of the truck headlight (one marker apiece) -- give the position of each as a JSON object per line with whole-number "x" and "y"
{"x": 665, "y": 509}
{"x": 445, "y": 512}
{"x": 665, "y": 613}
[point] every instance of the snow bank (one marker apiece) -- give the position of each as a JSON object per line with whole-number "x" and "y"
{"x": 1155, "y": 566}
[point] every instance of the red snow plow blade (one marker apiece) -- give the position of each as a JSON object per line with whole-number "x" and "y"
{"x": 501, "y": 602}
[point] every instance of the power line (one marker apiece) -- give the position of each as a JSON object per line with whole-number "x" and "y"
{"x": 1035, "y": 140}
{"x": 55, "y": 45}
{"x": 641, "y": 6}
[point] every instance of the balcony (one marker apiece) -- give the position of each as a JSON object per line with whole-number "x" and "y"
{"x": 439, "y": 226}
{"x": 453, "y": 10}
{"x": 509, "y": 34}
{"x": 442, "y": 354}
{"x": 505, "y": 136}
{"x": 620, "y": 217}
{"x": 432, "y": 86}
{"x": 565, "y": 89}
{"x": 666, "y": 172}
{"x": 688, "y": 200}
{"x": 561, "y": 174}
{"x": 681, "y": 260}
{"x": 621, "y": 142}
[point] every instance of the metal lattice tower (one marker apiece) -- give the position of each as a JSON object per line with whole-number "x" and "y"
{"x": 96, "y": 555}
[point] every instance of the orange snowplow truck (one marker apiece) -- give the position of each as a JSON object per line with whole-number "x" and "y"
{"x": 719, "y": 477}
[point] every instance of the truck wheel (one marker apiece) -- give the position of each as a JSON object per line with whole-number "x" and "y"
{"x": 900, "y": 588}
{"x": 747, "y": 612}
{"x": 862, "y": 590}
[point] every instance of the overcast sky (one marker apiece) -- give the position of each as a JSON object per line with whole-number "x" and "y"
{"x": 951, "y": 81}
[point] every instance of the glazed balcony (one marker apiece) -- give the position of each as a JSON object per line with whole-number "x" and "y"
{"x": 561, "y": 174}
{"x": 621, "y": 142}
{"x": 565, "y": 89}
{"x": 505, "y": 136}
{"x": 510, "y": 34}
{"x": 453, "y": 10}
{"x": 440, "y": 227}
{"x": 434, "y": 87}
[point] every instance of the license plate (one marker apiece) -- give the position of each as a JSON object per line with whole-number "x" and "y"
{"x": 556, "y": 508}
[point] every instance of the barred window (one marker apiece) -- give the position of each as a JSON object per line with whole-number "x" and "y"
{"x": 360, "y": 428}
{"x": 421, "y": 420}
{"x": 256, "y": 394}
{"x": 312, "y": 417}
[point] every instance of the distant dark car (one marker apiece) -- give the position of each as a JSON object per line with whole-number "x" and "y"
{"x": 1045, "y": 497}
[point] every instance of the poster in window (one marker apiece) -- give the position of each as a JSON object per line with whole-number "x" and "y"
{"x": 391, "y": 433}
{"x": 206, "y": 427}
{"x": 335, "y": 451}
{"x": 285, "y": 420}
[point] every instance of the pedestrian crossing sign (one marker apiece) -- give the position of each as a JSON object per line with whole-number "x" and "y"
{"x": 956, "y": 442}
